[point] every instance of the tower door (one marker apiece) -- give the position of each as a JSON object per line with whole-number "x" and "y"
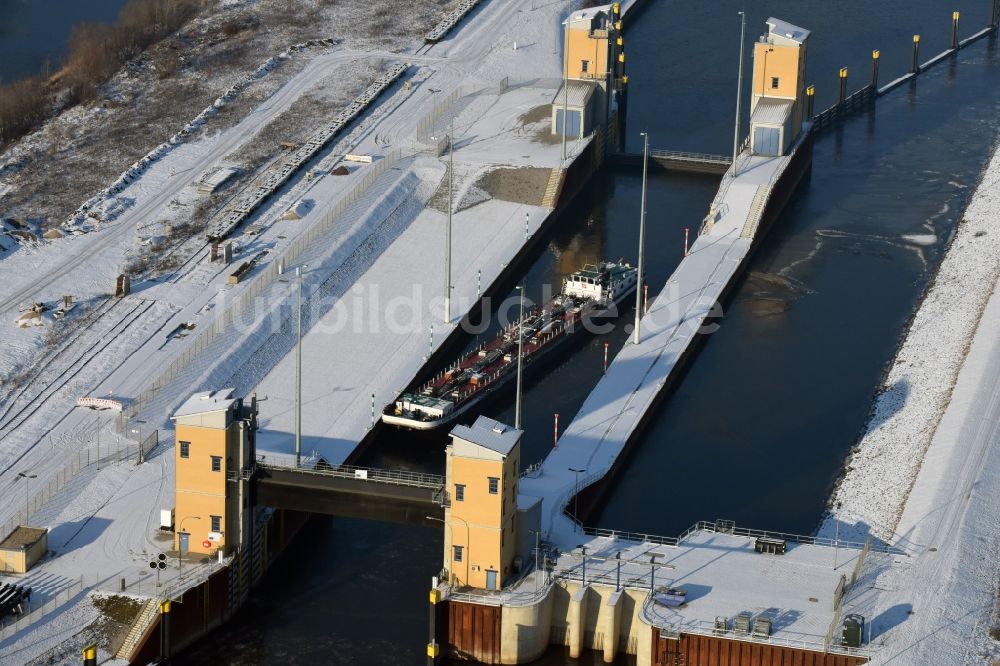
{"x": 573, "y": 127}
{"x": 766, "y": 140}
{"x": 491, "y": 579}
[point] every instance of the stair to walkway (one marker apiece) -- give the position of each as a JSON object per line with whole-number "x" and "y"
{"x": 138, "y": 629}
{"x": 756, "y": 210}
{"x": 552, "y": 188}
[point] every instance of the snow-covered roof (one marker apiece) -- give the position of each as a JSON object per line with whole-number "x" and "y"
{"x": 578, "y": 94}
{"x": 489, "y": 434}
{"x": 770, "y": 111}
{"x": 206, "y": 402}
{"x": 780, "y": 28}
{"x": 724, "y": 576}
{"x": 589, "y": 14}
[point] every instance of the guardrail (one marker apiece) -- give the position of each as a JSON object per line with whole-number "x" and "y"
{"x": 707, "y": 628}
{"x": 682, "y": 156}
{"x": 715, "y": 527}
{"x": 389, "y": 476}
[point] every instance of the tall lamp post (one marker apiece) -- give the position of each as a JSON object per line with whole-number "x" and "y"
{"x": 447, "y": 238}
{"x": 180, "y": 531}
{"x": 576, "y": 493}
{"x": 565, "y": 123}
{"x": 299, "y": 270}
{"x": 520, "y": 357}
{"x": 642, "y": 236}
{"x": 298, "y": 373}
{"x": 27, "y": 482}
{"x": 739, "y": 90}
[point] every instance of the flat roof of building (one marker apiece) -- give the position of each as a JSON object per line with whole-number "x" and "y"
{"x": 724, "y": 576}
{"x": 589, "y": 13}
{"x": 787, "y": 30}
{"x": 23, "y": 536}
{"x": 490, "y": 434}
{"x": 205, "y": 402}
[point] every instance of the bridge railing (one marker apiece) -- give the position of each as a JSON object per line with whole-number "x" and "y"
{"x": 391, "y": 476}
{"x": 682, "y": 156}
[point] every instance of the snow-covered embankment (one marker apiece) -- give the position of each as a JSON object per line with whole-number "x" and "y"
{"x": 883, "y": 466}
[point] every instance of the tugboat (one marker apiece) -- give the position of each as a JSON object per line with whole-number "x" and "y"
{"x": 587, "y": 294}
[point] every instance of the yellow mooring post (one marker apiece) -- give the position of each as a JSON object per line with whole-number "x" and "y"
{"x": 810, "y": 96}
{"x": 954, "y": 30}
{"x": 433, "y": 649}
{"x": 875, "y": 56}
{"x": 915, "y": 67}
{"x": 165, "y": 629}
{"x": 843, "y": 85}
{"x": 90, "y": 655}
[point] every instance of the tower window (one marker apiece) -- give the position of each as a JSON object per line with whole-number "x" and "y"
{"x": 584, "y": 66}
{"x": 185, "y": 449}
{"x": 457, "y": 553}
{"x": 774, "y": 82}
{"x": 216, "y": 523}
{"x": 494, "y": 485}
{"x": 459, "y": 492}
{"x": 216, "y": 463}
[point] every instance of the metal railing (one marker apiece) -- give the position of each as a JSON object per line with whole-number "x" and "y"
{"x": 707, "y": 628}
{"x": 706, "y": 526}
{"x": 389, "y": 476}
{"x": 33, "y": 615}
{"x": 237, "y": 305}
{"x": 682, "y": 156}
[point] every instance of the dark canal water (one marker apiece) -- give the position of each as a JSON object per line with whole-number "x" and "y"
{"x": 759, "y": 427}
{"x": 35, "y": 31}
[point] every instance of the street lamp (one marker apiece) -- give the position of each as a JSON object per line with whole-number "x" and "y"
{"x": 520, "y": 356}
{"x": 538, "y": 548}
{"x": 576, "y": 493}
{"x": 642, "y": 236}
{"x": 299, "y": 270}
{"x": 27, "y": 482}
{"x": 180, "y": 541}
{"x": 739, "y": 90}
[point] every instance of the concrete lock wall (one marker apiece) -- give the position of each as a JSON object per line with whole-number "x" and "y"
{"x": 600, "y": 619}
{"x": 525, "y": 631}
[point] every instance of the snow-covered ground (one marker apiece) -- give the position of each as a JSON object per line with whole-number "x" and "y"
{"x": 386, "y": 244}
{"x": 925, "y": 474}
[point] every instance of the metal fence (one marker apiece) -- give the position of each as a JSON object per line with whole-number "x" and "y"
{"x": 92, "y": 457}
{"x": 438, "y": 110}
{"x": 40, "y": 611}
{"x": 239, "y": 304}
{"x": 716, "y": 527}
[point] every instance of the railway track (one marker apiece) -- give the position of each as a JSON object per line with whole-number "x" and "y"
{"x": 81, "y": 328}
{"x": 14, "y": 418}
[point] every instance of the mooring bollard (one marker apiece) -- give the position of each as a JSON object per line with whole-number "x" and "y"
{"x": 954, "y": 30}
{"x": 915, "y": 67}
{"x": 875, "y": 56}
{"x": 843, "y": 85}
